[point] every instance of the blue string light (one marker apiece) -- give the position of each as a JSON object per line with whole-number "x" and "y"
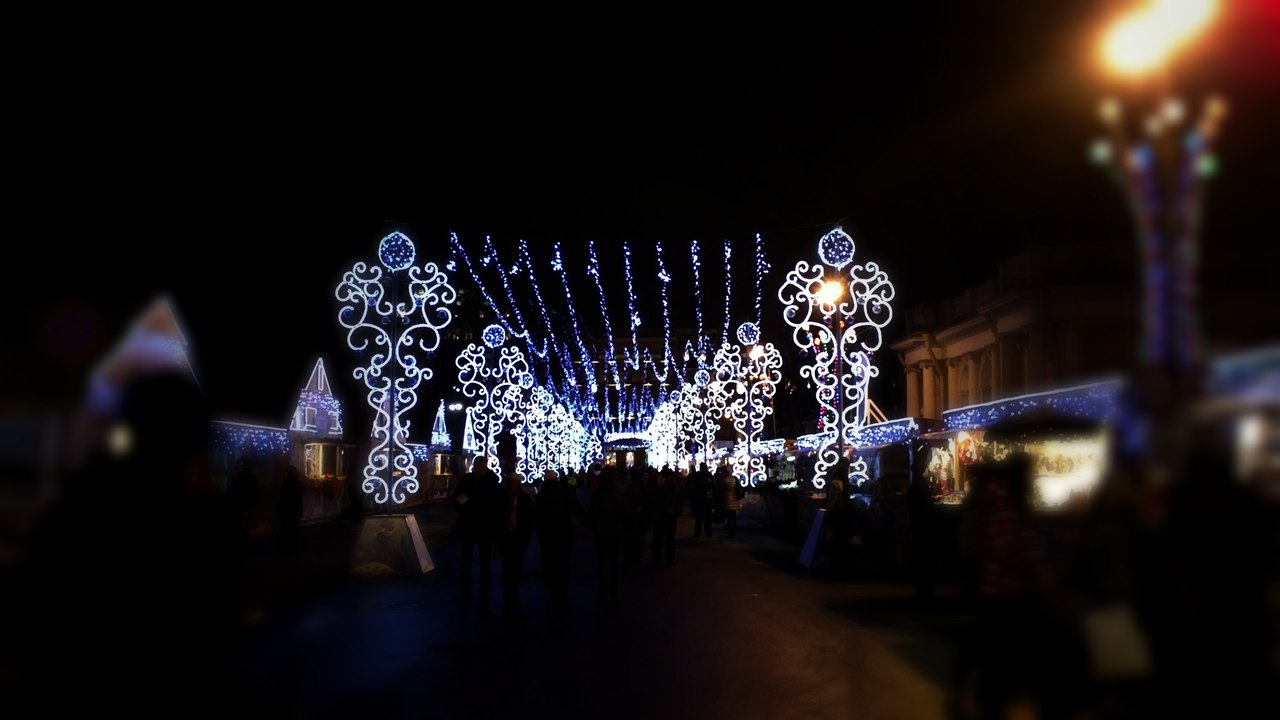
{"x": 1097, "y": 401}
{"x": 511, "y": 300}
{"x": 566, "y": 367}
{"x": 610, "y": 358}
{"x": 663, "y": 279}
{"x": 728, "y": 289}
{"x": 762, "y": 269}
{"x": 240, "y": 437}
{"x": 633, "y": 358}
{"x": 697, "y": 291}
{"x": 460, "y": 251}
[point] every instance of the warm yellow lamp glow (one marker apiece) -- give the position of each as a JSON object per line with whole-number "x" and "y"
{"x": 830, "y": 292}
{"x": 1142, "y": 41}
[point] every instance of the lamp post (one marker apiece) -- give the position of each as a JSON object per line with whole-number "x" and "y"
{"x": 701, "y": 407}
{"x": 1161, "y": 162}
{"x": 398, "y": 331}
{"x": 747, "y": 387}
{"x": 495, "y": 377}
{"x": 840, "y": 316}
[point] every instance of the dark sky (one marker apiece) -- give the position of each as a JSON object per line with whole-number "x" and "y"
{"x": 243, "y": 172}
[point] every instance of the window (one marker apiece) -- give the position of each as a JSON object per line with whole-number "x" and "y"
{"x": 311, "y": 418}
{"x": 321, "y": 460}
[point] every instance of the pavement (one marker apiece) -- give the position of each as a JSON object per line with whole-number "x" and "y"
{"x": 735, "y": 628}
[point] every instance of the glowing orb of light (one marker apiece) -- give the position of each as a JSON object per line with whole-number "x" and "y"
{"x": 493, "y": 335}
{"x": 748, "y": 333}
{"x": 396, "y": 251}
{"x": 702, "y": 377}
{"x": 836, "y": 248}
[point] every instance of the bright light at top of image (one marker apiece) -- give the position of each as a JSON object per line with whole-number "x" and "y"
{"x": 1143, "y": 40}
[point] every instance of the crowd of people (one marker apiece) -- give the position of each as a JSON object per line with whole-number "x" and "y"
{"x": 1153, "y": 603}
{"x": 617, "y": 507}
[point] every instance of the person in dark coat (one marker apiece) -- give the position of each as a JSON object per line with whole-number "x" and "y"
{"x": 701, "y": 496}
{"x": 665, "y": 504}
{"x": 635, "y": 518}
{"x": 137, "y": 571}
{"x": 289, "y": 510}
{"x": 477, "y": 503}
{"x": 242, "y": 491}
{"x": 555, "y": 511}
{"x": 514, "y": 536}
{"x": 923, "y": 542}
{"x": 608, "y": 523}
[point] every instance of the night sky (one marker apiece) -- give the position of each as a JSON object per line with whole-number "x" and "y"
{"x": 242, "y": 173}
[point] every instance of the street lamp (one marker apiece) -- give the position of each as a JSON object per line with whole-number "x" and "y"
{"x": 495, "y": 378}
{"x": 840, "y": 316}
{"x": 747, "y": 389}
{"x": 700, "y": 409}
{"x": 403, "y": 334}
{"x": 1144, "y": 40}
{"x": 1161, "y": 164}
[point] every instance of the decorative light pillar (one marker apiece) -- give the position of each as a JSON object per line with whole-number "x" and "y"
{"x": 401, "y": 334}
{"x": 840, "y": 316}
{"x": 495, "y": 378}
{"x": 747, "y": 388}
{"x": 701, "y": 407}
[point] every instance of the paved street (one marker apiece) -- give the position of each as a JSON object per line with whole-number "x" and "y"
{"x": 736, "y": 628}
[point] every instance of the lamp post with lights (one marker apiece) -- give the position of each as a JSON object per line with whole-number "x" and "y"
{"x": 838, "y": 311}
{"x": 1162, "y": 163}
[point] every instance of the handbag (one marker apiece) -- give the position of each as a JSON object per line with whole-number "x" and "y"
{"x": 1117, "y": 645}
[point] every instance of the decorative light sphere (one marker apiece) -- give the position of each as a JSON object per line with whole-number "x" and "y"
{"x": 836, "y": 248}
{"x": 748, "y": 333}
{"x": 702, "y": 377}
{"x": 396, "y": 251}
{"x": 493, "y": 335}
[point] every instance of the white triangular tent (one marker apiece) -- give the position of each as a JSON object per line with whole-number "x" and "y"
{"x": 318, "y": 410}
{"x": 153, "y": 344}
{"x": 440, "y": 439}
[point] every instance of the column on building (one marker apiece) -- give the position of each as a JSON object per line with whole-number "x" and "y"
{"x": 993, "y": 359}
{"x": 1037, "y": 361}
{"x": 953, "y": 385}
{"x": 930, "y": 408}
{"x": 975, "y": 395}
{"x": 1010, "y": 382}
{"x": 913, "y": 392}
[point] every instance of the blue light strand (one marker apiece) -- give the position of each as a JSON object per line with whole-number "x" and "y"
{"x": 697, "y": 290}
{"x": 561, "y": 356}
{"x": 421, "y": 453}
{"x": 663, "y": 279}
{"x": 236, "y": 437}
{"x": 728, "y": 289}
{"x": 589, "y": 378}
{"x": 762, "y": 269}
{"x": 593, "y": 269}
{"x": 1097, "y": 401}
{"x": 460, "y": 251}
{"x": 511, "y": 300}
{"x": 633, "y": 318}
